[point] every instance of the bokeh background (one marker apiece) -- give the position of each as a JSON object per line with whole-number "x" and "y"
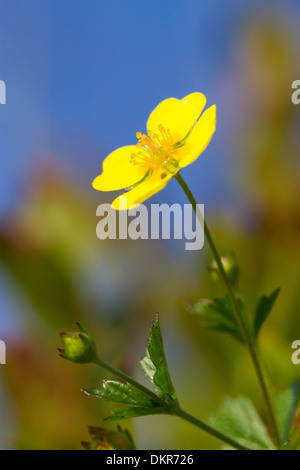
{"x": 81, "y": 79}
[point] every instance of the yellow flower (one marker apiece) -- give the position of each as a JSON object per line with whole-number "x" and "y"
{"x": 177, "y": 133}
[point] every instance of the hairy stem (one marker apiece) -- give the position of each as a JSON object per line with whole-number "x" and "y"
{"x": 242, "y": 321}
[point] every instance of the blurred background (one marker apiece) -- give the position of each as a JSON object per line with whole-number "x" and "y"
{"x": 82, "y": 78}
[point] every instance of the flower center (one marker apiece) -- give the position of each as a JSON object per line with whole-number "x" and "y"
{"x": 156, "y": 151}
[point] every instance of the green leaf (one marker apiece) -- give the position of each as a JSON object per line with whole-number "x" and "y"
{"x": 128, "y": 412}
{"x": 239, "y": 419}
{"x": 107, "y": 439}
{"x": 263, "y": 309}
{"x": 120, "y": 392}
{"x": 217, "y": 315}
{"x": 286, "y": 405}
{"x": 155, "y": 366}
{"x": 148, "y": 367}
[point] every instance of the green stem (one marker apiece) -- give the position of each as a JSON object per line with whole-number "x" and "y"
{"x": 242, "y": 322}
{"x": 205, "y": 427}
{"x": 172, "y": 410}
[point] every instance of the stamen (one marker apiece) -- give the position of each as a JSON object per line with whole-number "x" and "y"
{"x": 155, "y": 150}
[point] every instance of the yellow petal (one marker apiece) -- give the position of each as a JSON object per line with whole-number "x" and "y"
{"x": 143, "y": 191}
{"x": 199, "y": 138}
{"x": 177, "y": 115}
{"x": 118, "y": 171}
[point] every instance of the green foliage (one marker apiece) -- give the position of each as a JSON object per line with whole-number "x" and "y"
{"x": 217, "y": 315}
{"x": 263, "y": 309}
{"x": 238, "y": 423}
{"x": 239, "y": 419}
{"x": 107, "y": 439}
{"x": 129, "y": 412}
{"x": 286, "y": 405}
{"x": 120, "y": 392}
{"x": 155, "y": 366}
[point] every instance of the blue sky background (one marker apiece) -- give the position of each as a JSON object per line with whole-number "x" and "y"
{"x": 82, "y": 77}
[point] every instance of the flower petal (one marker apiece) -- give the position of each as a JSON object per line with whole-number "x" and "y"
{"x": 143, "y": 191}
{"x": 199, "y": 138}
{"x": 118, "y": 171}
{"x": 177, "y": 115}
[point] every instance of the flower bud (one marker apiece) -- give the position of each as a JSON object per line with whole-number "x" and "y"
{"x": 78, "y": 347}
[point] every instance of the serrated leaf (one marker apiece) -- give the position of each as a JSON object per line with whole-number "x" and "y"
{"x": 239, "y": 419}
{"x": 263, "y": 310}
{"x": 120, "y": 392}
{"x": 107, "y": 439}
{"x": 286, "y": 405}
{"x": 217, "y": 315}
{"x": 128, "y": 412}
{"x": 155, "y": 366}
